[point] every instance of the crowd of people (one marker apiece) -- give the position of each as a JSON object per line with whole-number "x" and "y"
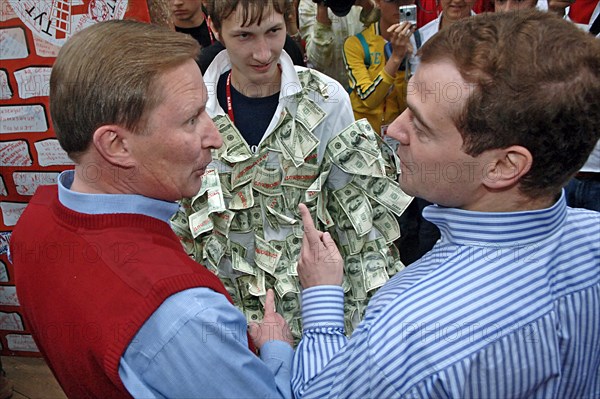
{"x": 315, "y": 199}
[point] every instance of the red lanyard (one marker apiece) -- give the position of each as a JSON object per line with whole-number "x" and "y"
{"x": 228, "y": 93}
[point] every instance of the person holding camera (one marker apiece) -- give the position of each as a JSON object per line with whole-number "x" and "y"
{"x": 377, "y": 81}
{"x": 325, "y": 25}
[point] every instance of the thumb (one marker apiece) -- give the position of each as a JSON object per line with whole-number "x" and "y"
{"x": 270, "y": 302}
{"x": 253, "y": 330}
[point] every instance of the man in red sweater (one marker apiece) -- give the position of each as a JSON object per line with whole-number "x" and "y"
{"x": 114, "y": 304}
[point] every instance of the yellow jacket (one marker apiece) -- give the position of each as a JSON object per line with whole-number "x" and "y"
{"x": 373, "y": 90}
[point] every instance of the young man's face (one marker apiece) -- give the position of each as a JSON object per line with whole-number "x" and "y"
{"x": 254, "y": 50}
{"x": 457, "y": 9}
{"x": 433, "y": 163}
{"x": 186, "y": 13}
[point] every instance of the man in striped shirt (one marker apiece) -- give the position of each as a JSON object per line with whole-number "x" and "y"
{"x": 507, "y": 304}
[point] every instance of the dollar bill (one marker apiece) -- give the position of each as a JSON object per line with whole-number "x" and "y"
{"x": 287, "y": 141}
{"x": 214, "y": 249}
{"x": 309, "y": 113}
{"x": 241, "y": 265}
{"x": 299, "y": 177}
{"x": 256, "y": 285}
{"x": 237, "y": 248}
{"x": 286, "y": 284}
{"x": 293, "y": 246}
{"x": 355, "y": 242}
{"x": 243, "y": 172}
{"x": 307, "y": 142}
{"x": 200, "y": 222}
{"x": 385, "y": 191}
{"x": 375, "y": 274}
{"x": 357, "y": 207}
{"x": 222, "y": 221}
{"x": 234, "y": 148}
{"x": 322, "y": 212}
{"x": 243, "y": 198}
{"x": 267, "y": 181}
{"x": 241, "y": 222}
{"x": 388, "y": 226}
{"x": 266, "y": 256}
{"x": 180, "y": 224}
{"x": 354, "y": 270}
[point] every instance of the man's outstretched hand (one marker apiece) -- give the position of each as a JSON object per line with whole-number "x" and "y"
{"x": 320, "y": 261}
{"x": 273, "y": 327}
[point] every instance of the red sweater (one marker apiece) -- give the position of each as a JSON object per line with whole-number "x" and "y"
{"x": 87, "y": 283}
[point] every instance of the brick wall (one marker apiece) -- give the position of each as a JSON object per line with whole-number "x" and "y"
{"x": 31, "y": 33}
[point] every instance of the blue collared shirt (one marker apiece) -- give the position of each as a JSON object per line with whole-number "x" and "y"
{"x": 505, "y": 305}
{"x": 195, "y": 344}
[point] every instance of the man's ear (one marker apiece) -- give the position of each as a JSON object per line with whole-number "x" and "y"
{"x": 212, "y": 28}
{"x": 508, "y": 167}
{"x": 111, "y": 142}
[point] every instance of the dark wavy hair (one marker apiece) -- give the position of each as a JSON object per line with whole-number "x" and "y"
{"x": 536, "y": 84}
{"x": 253, "y": 10}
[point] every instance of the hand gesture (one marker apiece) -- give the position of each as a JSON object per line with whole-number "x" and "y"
{"x": 401, "y": 39}
{"x": 273, "y": 327}
{"x": 320, "y": 261}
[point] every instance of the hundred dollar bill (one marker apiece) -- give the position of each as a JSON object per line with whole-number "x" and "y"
{"x": 287, "y": 141}
{"x": 243, "y": 198}
{"x": 243, "y": 172}
{"x": 355, "y": 242}
{"x": 267, "y": 181}
{"x": 210, "y": 181}
{"x": 375, "y": 274}
{"x": 266, "y": 256}
{"x": 285, "y": 284}
{"x": 234, "y": 148}
{"x": 290, "y": 304}
{"x": 241, "y": 265}
{"x": 256, "y": 285}
{"x": 394, "y": 264}
{"x": 234, "y": 247}
{"x": 299, "y": 177}
{"x": 375, "y": 245}
{"x": 309, "y": 113}
{"x": 387, "y": 225}
{"x": 275, "y": 207}
{"x": 352, "y": 161}
{"x": 354, "y": 270}
{"x": 242, "y": 222}
{"x": 322, "y": 212}
{"x": 307, "y": 142}
{"x": 222, "y": 221}
{"x": 385, "y": 191}
{"x": 200, "y": 222}
{"x": 214, "y": 249}
{"x": 180, "y": 224}
{"x": 292, "y": 196}
{"x": 357, "y": 207}
{"x": 293, "y": 246}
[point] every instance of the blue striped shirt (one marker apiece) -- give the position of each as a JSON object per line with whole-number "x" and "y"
{"x": 505, "y": 305}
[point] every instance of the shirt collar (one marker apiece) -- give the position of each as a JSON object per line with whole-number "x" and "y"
{"x": 98, "y": 204}
{"x": 497, "y": 229}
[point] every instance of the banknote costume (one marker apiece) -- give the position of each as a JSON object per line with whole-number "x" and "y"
{"x": 244, "y": 223}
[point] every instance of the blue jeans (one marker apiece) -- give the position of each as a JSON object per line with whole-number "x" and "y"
{"x": 583, "y": 193}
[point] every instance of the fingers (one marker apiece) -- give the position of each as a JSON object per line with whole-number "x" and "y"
{"x": 310, "y": 231}
{"x": 270, "y": 302}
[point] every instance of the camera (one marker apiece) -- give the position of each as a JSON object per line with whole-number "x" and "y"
{"x": 339, "y": 7}
{"x": 408, "y": 14}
